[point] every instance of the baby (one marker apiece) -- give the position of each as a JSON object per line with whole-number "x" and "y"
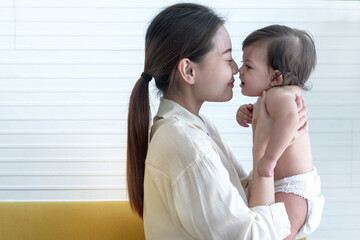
{"x": 279, "y": 60}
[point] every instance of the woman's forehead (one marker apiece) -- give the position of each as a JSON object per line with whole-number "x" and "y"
{"x": 222, "y": 39}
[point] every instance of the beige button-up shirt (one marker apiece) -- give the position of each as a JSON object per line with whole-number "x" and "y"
{"x": 193, "y": 185}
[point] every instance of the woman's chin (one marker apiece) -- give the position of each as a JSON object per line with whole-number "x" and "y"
{"x": 224, "y": 98}
{"x": 228, "y": 95}
{"x": 227, "y": 98}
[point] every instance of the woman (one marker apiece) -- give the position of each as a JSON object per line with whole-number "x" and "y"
{"x": 185, "y": 182}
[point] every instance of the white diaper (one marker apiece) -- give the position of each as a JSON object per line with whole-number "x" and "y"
{"x": 308, "y": 186}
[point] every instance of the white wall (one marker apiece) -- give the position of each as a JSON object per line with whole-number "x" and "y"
{"x": 67, "y": 68}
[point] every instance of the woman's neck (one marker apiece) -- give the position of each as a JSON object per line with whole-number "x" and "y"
{"x": 187, "y": 101}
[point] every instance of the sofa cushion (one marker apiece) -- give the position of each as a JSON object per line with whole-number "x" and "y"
{"x": 69, "y": 221}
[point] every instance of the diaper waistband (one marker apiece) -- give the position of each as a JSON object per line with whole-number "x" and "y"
{"x": 306, "y": 185}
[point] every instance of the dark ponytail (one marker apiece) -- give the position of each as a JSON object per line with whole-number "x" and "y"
{"x": 137, "y": 142}
{"x": 179, "y": 31}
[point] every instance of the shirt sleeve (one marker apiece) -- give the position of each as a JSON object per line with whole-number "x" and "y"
{"x": 246, "y": 179}
{"x": 210, "y": 207}
{"x": 238, "y": 167}
{"x": 246, "y": 183}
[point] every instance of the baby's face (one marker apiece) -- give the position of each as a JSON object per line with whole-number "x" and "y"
{"x": 255, "y": 75}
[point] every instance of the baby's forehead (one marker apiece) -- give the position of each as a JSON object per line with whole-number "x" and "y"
{"x": 255, "y": 50}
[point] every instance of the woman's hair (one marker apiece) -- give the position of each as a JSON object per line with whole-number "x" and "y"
{"x": 289, "y": 50}
{"x": 179, "y": 31}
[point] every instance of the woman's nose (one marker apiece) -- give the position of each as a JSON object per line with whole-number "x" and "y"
{"x": 234, "y": 67}
{"x": 241, "y": 70}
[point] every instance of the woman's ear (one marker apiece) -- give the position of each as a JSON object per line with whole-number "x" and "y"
{"x": 186, "y": 70}
{"x": 276, "y": 78}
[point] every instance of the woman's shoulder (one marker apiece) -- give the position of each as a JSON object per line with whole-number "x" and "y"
{"x": 173, "y": 129}
{"x": 177, "y": 144}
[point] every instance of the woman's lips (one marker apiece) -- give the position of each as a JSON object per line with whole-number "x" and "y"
{"x": 231, "y": 84}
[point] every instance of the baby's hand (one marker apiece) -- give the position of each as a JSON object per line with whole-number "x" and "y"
{"x": 244, "y": 114}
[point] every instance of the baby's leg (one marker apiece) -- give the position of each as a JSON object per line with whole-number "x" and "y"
{"x": 296, "y": 208}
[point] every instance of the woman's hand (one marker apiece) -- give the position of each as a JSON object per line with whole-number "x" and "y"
{"x": 303, "y": 116}
{"x": 262, "y": 189}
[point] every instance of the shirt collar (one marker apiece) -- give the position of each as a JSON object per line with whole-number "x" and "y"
{"x": 169, "y": 108}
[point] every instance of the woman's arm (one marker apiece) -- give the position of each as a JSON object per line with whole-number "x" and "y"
{"x": 262, "y": 191}
{"x": 209, "y": 206}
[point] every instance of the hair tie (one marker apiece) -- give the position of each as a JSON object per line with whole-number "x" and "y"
{"x": 146, "y": 76}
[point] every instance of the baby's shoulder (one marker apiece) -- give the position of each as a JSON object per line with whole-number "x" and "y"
{"x": 277, "y": 93}
{"x": 282, "y": 99}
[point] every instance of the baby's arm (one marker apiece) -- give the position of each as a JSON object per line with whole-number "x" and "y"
{"x": 282, "y": 108}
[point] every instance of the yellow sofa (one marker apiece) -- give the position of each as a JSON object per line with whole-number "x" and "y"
{"x": 69, "y": 221}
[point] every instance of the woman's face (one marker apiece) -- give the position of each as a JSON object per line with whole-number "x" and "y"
{"x": 214, "y": 79}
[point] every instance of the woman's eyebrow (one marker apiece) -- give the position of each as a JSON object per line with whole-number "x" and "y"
{"x": 226, "y": 51}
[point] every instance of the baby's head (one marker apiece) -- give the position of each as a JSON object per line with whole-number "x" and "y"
{"x": 289, "y": 54}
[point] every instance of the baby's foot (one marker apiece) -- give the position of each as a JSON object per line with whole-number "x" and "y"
{"x": 266, "y": 167}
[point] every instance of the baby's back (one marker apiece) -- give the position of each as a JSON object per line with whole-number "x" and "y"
{"x": 296, "y": 159}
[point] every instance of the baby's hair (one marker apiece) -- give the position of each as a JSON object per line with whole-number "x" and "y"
{"x": 289, "y": 50}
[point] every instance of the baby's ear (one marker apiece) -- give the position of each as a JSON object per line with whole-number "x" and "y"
{"x": 276, "y": 78}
